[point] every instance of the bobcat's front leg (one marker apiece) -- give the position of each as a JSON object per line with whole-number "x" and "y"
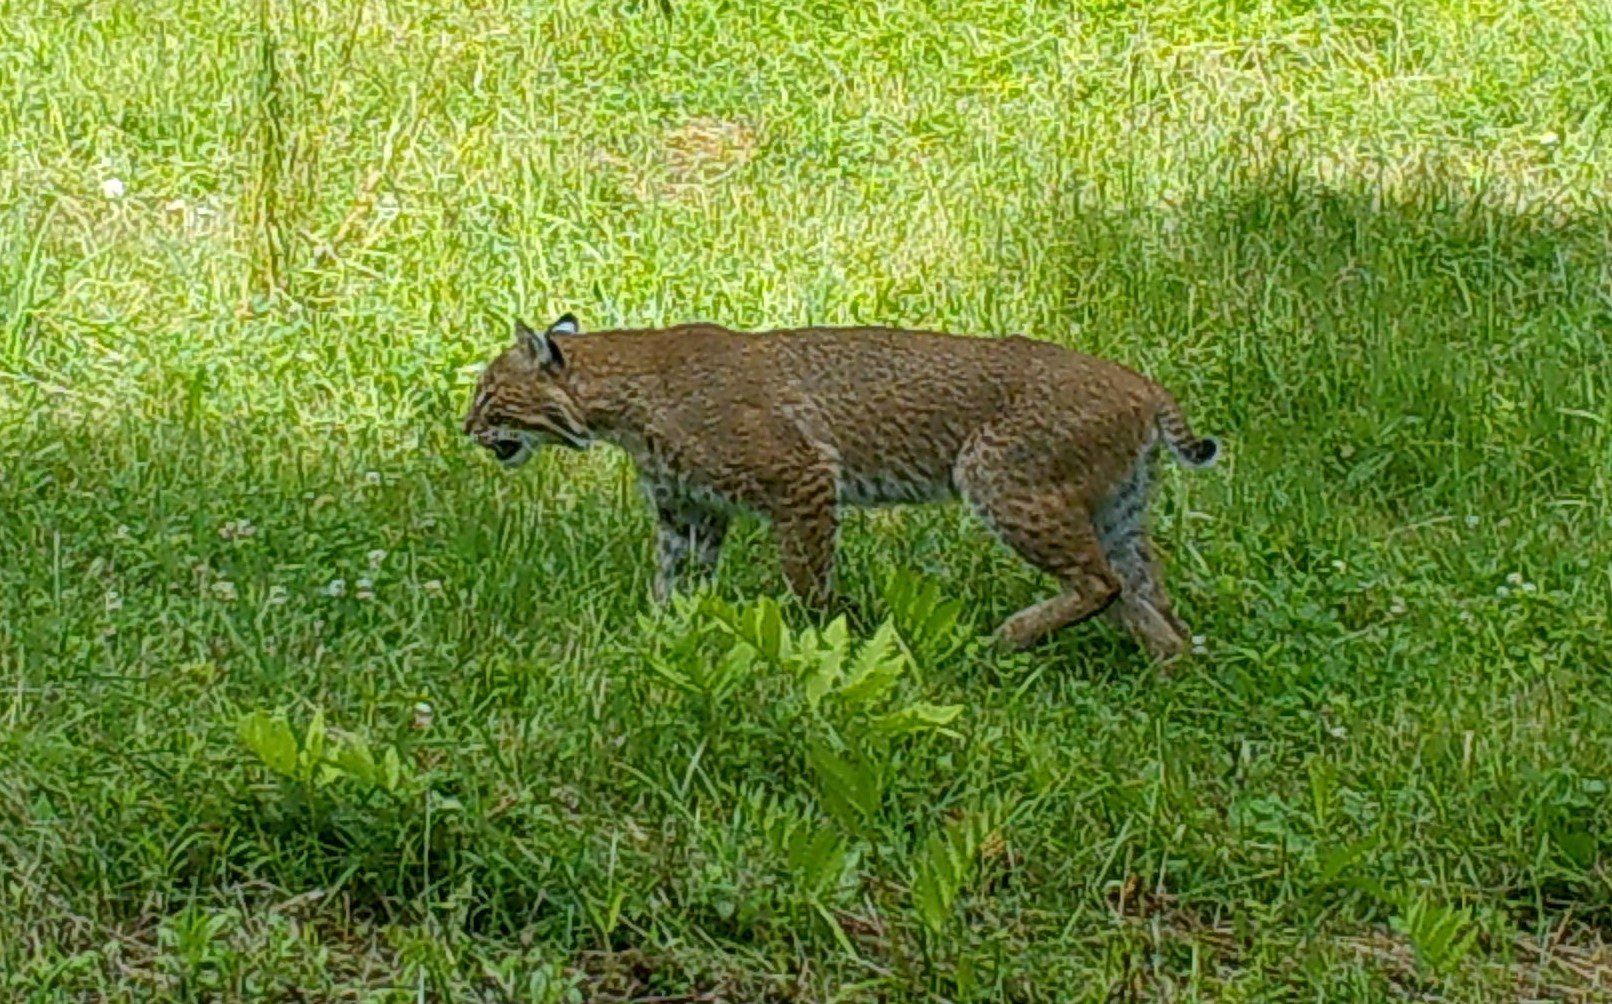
{"x": 683, "y": 535}
{"x": 806, "y": 522}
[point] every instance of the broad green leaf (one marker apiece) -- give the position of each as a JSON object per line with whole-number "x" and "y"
{"x": 876, "y": 668}
{"x": 668, "y": 672}
{"x": 1441, "y": 936}
{"x": 272, "y": 740}
{"x": 824, "y": 667}
{"x": 1334, "y": 861}
{"x": 733, "y": 667}
{"x": 816, "y": 856}
{"x": 769, "y": 630}
{"x": 313, "y": 744}
{"x": 924, "y": 617}
{"x": 391, "y": 769}
{"x": 1580, "y": 847}
{"x": 353, "y": 758}
{"x": 943, "y": 865}
{"x": 849, "y": 788}
{"x": 918, "y": 718}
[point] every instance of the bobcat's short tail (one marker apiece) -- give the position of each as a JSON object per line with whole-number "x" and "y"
{"x": 1177, "y": 435}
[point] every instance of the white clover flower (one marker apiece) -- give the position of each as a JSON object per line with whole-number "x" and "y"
{"x": 112, "y": 188}
{"x": 1549, "y": 138}
{"x": 372, "y": 477}
{"x": 336, "y": 587}
{"x": 376, "y": 557}
{"x": 114, "y": 602}
{"x": 1200, "y": 644}
{"x": 123, "y": 532}
{"x": 1528, "y": 587}
{"x": 277, "y": 596}
{"x": 422, "y": 716}
{"x": 366, "y": 589}
{"x": 224, "y": 590}
{"x": 1472, "y": 520}
{"x": 237, "y": 529}
{"x": 1396, "y": 606}
{"x": 1514, "y": 579}
{"x": 434, "y": 587}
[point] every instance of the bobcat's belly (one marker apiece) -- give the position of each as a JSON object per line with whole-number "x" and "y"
{"x": 894, "y": 486}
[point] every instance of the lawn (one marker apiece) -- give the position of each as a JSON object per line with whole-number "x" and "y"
{"x": 302, "y": 698}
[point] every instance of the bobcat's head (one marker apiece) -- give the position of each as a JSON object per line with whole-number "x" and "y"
{"x": 523, "y": 401}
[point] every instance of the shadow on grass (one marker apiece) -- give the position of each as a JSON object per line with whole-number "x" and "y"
{"x": 1410, "y": 351}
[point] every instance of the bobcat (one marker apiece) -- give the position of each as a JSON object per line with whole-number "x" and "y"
{"x": 1050, "y": 447}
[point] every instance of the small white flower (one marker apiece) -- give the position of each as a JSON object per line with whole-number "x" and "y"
{"x": 237, "y": 529}
{"x": 1338, "y": 565}
{"x": 112, "y": 188}
{"x": 175, "y": 205}
{"x": 1549, "y": 138}
{"x": 114, "y": 602}
{"x": 422, "y": 716}
{"x": 372, "y": 477}
{"x": 1472, "y": 520}
{"x": 376, "y": 557}
{"x": 224, "y": 590}
{"x": 1338, "y": 732}
{"x": 336, "y": 587}
{"x": 366, "y": 589}
{"x": 1502, "y": 592}
{"x": 1396, "y": 606}
{"x": 1528, "y": 587}
{"x": 123, "y": 531}
{"x": 1514, "y": 579}
{"x": 277, "y": 596}
{"x": 434, "y": 587}
{"x": 1200, "y": 644}
{"x": 386, "y": 208}
{"x": 1465, "y": 616}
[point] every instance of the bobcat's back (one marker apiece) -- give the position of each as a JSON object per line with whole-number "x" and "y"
{"x": 894, "y": 408}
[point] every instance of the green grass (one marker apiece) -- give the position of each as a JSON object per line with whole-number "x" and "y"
{"x": 1366, "y": 242}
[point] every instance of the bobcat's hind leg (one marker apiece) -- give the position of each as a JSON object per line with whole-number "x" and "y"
{"x": 1050, "y": 528}
{"x": 1143, "y": 608}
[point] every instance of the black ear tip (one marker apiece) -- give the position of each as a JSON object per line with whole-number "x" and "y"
{"x": 567, "y": 318}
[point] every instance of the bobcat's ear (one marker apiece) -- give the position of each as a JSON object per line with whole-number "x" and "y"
{"x": 539, "y": 346}
{"x": 566, "y": 325}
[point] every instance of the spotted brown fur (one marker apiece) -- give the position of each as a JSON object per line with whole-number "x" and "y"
{"x": 1049, "y": 446}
